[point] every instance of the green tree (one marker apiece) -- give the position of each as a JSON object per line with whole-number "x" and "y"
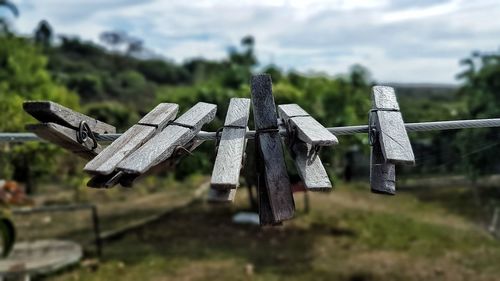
{"x": 240, "y": 64}
{"x": 23, "y": 76}
{"x": 4, "y": 23}
{"x": 11, "y": 6}
{"x": 114, "y": 113}
{"x": 43, "y": 33}
{"x": 481, "y": 91}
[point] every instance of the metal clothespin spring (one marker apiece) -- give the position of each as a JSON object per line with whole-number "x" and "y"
{"x": 84, "y": 132}
{"x": 372, "y": 130}
{"x": 217, "y": 139}
{"x": 314, "y": 153}
{"x": 180, "y": 148}
{"x": 292, "y": 130}
{"x": 292, "y": 139}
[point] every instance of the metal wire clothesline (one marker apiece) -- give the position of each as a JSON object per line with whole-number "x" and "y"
{"x": 16, "y": 137}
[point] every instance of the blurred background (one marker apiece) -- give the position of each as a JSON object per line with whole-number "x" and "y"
{"x": 115, "y": 60}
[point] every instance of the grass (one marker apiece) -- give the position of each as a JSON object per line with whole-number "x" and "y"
{"x": 349, "y": 234}
{"x": 117, "y": 207}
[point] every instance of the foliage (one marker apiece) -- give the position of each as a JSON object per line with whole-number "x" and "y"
{"x": 114, "y": 113}
{"x": 481, "y": 91}
{"x": 118, "y": 83}
{"x": 9, "y": 5}
{"x": 43, "y": 34}
{"x": 117, "y": 39}
{"x": 23, "y": 76}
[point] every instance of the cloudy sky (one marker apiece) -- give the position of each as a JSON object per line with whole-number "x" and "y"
{"x": 398, "y": 40}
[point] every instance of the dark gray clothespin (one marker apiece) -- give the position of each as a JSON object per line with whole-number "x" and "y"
{"x": 126, "y": 180}
{"x": 66, "y": 128}
{"x": 275, "y": 196}
{"x": 162, "y": 149}
{"x": 103, "y": 165}
{"x": 389, "y": 141}
{"x": 163, "y": 145}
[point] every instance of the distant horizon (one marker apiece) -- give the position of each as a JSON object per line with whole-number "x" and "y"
{"x": 397, "y": 41}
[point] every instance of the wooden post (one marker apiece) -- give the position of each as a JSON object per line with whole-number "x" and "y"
{"x": 276, "y": 199}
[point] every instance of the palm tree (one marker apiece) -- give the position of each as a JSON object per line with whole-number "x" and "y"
{"x": 9, "y": 5}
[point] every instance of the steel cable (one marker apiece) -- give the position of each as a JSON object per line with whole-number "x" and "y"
{"x": 339, "y": 131}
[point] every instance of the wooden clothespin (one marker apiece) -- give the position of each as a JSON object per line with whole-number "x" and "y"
{"x": 230, "y": 152}
{"x": 127, "y": 180}
{"x": 104, "y": 164}
{"x": 221, "y": 195}
{"x": 177, "y": 134}
{"x": 67, "y": 128}
{"x": 389, "y": 141}
{"x": 275, "y": 196}
{"x": 305, "y": 137}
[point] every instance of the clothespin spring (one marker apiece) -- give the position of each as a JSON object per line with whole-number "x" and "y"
{"x": 292, "y": 138}
{"x": 372, "y": 130}
{"x": 180, "y": 148}
{"x": 292, "y": 134}
{"x": 84, "y": 132}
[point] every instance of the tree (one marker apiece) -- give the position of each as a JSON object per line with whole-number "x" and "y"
{"x": 240, "y": 64}
{"x": 481, "y": 91}
{"x": 113, "y": 113}
{"x": 9, "y": 5}
{"x": 116, "y": 39}
{"x": 43, "y": 33}
{"x": 4, "y": 24}
{"x": 23, "y": 76}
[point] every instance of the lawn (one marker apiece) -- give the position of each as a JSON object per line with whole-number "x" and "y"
{"x": 349, "y": 234}
{"x": 117, "y": 208}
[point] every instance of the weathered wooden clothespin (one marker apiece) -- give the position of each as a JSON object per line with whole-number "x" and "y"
{"x": 389, "y": 140}
{"x": 221, "y": 195}
{"x": 177, "y": 134}
{"x": 305, "y": 137}
{"x": 275, "y": 196}
{"x": 230, "y": 152}
{"x": 104, "y": 164}
{"x": 66, "y": 128}
{"x": 127, "y": 180}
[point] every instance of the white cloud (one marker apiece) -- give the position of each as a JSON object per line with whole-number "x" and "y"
{"x": 398, "y": 40}
{"x": 421, "y": 13}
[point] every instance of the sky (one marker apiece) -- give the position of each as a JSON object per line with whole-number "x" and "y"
{"x": 410, "y": 41}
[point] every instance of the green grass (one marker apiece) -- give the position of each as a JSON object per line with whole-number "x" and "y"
{"x": 116, "y": 207}
{"x": 349, "y": 234}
